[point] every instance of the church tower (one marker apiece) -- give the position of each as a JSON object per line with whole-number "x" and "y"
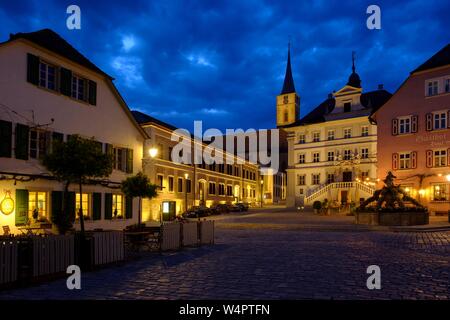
{"x": 288, "y": 102}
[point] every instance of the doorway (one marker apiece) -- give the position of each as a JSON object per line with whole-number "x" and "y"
{"x": 344, "y": 197}
{"x": 347, "y": 176}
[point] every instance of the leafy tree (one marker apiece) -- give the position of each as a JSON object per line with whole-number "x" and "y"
{"x": 139, "y": 186}
{"x": 76, "y": 161}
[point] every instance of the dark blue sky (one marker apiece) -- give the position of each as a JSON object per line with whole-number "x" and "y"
{"x": 223, "y": 62}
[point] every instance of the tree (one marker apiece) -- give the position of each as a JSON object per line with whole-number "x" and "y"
{"x": 139, "y": 186}
{"x": 77, "y": 161}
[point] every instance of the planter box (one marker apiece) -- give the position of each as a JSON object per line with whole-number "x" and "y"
{"x": 392, "y": 218}
{"x": 8, "y": 261}
{"x": 170, "y": 236}
{"x": 206, "y": 232}
{"x": 108, "y": 247}
{"x": 189, "y": 234}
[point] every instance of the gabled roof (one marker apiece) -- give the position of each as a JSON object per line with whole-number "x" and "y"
{"x": 51, "y": 41}
{"x": 441, "y": 58}
{"x": 143, "y": 119}
{"x": 288, "y": 85}
{"x": 370, "y": 100}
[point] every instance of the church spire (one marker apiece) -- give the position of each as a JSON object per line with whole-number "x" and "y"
{"x": 288, "y": 85}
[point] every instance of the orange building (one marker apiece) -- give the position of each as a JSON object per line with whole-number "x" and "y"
{"x": 414, "y": 133}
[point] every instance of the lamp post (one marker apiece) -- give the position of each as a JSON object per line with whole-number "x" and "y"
{"x": 262, "y": 186}
{"x": 153, "y": 152}
{"x": 186, "y": 176}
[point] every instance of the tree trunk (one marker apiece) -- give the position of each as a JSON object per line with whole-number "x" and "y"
{"x": 81, "y": 210}
{"x": 139, "y": 213}
{"x": 65, "y": 205}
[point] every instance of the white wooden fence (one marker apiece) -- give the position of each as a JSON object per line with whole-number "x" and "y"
{"x": 8, "y": 261}
{"x": 52, "y": 254}
{"x": 108, "y": 247}
{"x": 170, "y": 236}
{"x": 190, "y": 234}
{"x": 206, "y": 232}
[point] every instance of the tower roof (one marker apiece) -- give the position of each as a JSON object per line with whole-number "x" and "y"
{"x": 288, "y": 85}
{"x": 354, "y": 79}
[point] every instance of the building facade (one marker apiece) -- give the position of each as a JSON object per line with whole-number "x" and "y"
{"x": 49, "y": 91}
{"x": 332, "y": 150}
{"x": 182, "y": 185}
{"x": 414, "y": 128}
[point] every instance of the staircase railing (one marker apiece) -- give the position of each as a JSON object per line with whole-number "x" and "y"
{"x": 339, "y": 185}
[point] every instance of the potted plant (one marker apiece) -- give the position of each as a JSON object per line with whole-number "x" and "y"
{"x": 317, "y": 205}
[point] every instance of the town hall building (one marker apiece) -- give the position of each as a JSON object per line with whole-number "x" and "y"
{"x": 332, "y": 149}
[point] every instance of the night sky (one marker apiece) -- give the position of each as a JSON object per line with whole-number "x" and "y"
{"x": 223, "y": 62}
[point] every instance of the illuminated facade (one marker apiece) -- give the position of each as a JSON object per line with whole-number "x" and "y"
{"x": 414, "y": 127}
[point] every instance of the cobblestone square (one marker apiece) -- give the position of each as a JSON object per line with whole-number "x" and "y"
{"x": 275, "y": 255}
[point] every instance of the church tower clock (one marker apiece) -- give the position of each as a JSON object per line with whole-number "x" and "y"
{"x": 288, "y": 102}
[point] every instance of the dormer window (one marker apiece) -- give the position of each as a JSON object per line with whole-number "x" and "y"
{"x": 347, "y": 106}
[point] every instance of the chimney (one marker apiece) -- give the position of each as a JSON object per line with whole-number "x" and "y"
{"x": 380, "y": 86}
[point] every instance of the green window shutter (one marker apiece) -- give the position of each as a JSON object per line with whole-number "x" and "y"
{"x": 129, "y": 161}
{"x": 128, "y": 207}
{"x": 22, "y": 139}
{"x": 57, "y": 136}
{"x": 71, "y": 205}
{"x": 108, "y": 206}
{"x": 32, "y": 69}
{"x": 65, "y": 82}
{"x": 92, "y": 93}
{"x": 96, "y": 206}
{"x": 56, "y": 205}
{"x": 5, "y": 139}
{"x": 21, "y": 207}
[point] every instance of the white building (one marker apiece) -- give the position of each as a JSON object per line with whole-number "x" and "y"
{"x": 332, "y": 150}
{"x": 48, "y": 90}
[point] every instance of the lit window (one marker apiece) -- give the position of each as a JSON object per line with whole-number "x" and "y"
{"x": 404, "y": 125}
{"x": 316, "y": 157}
{"x": 405, "y": 161}
{"x": 117, "y": 206}
{"x": 364, "y": 175}
{"x": 433, "y": 88}
{"x": 440, "y": 192}
{"x": 440, "y": 158}
{"x": 440, "y": 120}
{"x": 37, "y": 205}
{"x": 331, "y": 135}
{"x": 347, "y": 133}
{"x": 84, "y": 203}
{"x": 47, "y": 76}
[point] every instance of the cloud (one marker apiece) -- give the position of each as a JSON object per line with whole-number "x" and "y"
{"x": 128, "y": 43}
{"x": 213, "y": 111}
{"x": 129, "y": 70}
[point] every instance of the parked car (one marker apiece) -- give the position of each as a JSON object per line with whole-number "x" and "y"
{"x": 239, "y": 207}
{"x": 220, "y": 208}
{"x": 197, "y": 212}
{"x": 243, "y": 205}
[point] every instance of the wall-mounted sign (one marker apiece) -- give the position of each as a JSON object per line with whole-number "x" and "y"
{"x": 7, "y": 204}
{"x": 433, "y": 140}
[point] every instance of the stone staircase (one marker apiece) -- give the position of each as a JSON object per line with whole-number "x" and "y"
{"x": 324, "y": 190}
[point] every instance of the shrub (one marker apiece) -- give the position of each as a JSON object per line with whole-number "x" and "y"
{"x": 317, "y": 205}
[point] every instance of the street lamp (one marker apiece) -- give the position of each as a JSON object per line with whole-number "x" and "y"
{"x": 186, "y": 176}
{"x": 262, "y": 184}
{"x": 153, "y": 152}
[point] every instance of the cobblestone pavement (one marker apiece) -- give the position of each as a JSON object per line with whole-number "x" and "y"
{"x": 261, "y": 259}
